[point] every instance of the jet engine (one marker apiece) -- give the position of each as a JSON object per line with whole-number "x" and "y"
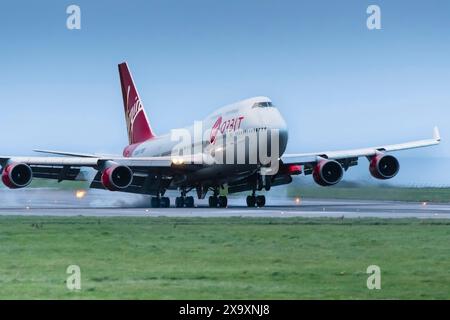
{"x": 17, "y": 175}
{"x": 116, "y": 177}
{"x": 384, "y": 166}
{"x": 328, "y": 173}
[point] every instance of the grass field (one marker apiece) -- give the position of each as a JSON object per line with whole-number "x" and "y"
{"x": 372, "y": 193}
{"x": 223, "y": 258}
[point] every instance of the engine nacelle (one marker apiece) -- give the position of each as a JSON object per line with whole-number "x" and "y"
{"x": 116, "y": 177}
{"x": 328, "y": 173}
{"x": 17, "y": 175}
{"x": 384, "y": 166}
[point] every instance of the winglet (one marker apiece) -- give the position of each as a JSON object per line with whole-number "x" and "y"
{"x": 436, "y": 134}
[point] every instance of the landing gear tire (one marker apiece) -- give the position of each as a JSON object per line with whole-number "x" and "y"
{"x": 213, "y": 201}
{"x": 165, "y": 202}
{"x": 189, "y": 202}
{"x": 223, "y": 202}
{"x": 260, "y": 201}
{"x": 251, "y": 201}
{"x": 179, "y": 202}
{"x": 155, "y": 202}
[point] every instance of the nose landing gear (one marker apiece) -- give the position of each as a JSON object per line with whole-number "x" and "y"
{"x": 260, "y": 201}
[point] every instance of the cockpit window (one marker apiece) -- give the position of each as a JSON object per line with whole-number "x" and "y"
{"x": 263, "y": 105}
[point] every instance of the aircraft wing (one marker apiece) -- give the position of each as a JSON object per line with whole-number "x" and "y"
{"x": 349, "y": 158}
{"x": 149, "y": 174}
{"x": 74, "y": 154}
{"x": 89, "y": 161}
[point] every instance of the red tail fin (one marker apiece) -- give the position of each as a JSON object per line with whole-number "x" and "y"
{"x": 139, "y": 129}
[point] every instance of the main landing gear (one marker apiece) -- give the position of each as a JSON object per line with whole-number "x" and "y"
{"x": 215, "y": 200}
{"x": 160, "y": 202}
{"x": 180, "y": 202}
{"x": 164, "y": 202}
{"x": 220, "y": 201}
{"x": 183, "y": 201}
{"x": 259, "y": 201}
{"x": 261, "y": 182}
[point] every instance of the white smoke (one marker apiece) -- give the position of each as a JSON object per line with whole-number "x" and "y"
{"x": 55, "y": 198}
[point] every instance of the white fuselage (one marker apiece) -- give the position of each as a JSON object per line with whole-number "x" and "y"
{"x": 219, "y": 132}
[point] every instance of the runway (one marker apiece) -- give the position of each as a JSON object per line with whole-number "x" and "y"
{"x": 43, "y": 202}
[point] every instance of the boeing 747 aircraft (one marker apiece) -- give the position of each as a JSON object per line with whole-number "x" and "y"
{"x": 152, "y": 164}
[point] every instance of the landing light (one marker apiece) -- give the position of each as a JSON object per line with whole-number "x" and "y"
{"x": 297, "y": 200}
{"x": 80, "y": 194}
{"x": 177, "y": 161}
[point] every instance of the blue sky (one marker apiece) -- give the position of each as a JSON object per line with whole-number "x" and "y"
{"x": 338, "y": 84}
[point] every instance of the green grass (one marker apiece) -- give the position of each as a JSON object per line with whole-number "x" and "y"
{"x": 372, "y": 193}
{"x": 223, "y": 258}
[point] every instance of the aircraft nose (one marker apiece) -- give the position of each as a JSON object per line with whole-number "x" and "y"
{"x": 276, "y": 121}
{"x": 283, "y": 136}
{"x": 273, "y": 120}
